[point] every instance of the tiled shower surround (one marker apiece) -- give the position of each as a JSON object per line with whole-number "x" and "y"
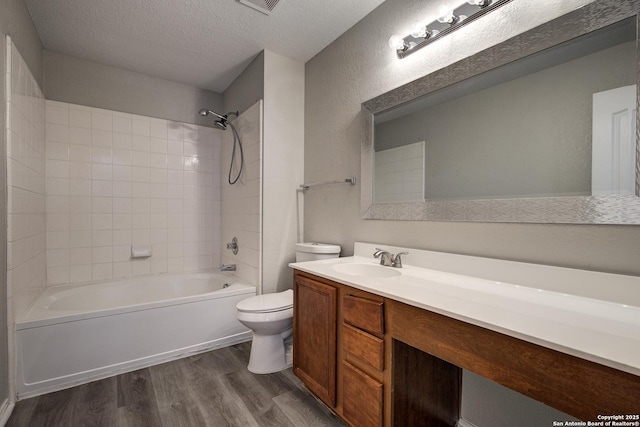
{"x": 114, "y": 180}
{"x": 26, "y": 270}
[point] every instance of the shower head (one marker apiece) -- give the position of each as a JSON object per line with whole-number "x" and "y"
{"x": 222, "y": 122}
{"x": 205, "y": 112}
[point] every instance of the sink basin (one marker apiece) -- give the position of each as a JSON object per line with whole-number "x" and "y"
{"x": 366, "y": 270}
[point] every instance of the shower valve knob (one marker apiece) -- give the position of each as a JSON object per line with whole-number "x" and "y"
{"x": 233, "y": 246}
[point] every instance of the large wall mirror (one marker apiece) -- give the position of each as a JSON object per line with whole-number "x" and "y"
{"x": 541, "y": 128}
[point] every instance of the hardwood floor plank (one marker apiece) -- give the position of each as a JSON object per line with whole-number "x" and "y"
{"x": 257, "y": 393}
{"x": 95, "y": 404}
{"x": 218, "y": 401}
{"x": 136, "y": 400}
{"x": 218, "y": 362}
{"x": 139, "y": 414}
{"x": 304, "y": 411}
{"x": 175, "y": 406}
{"x": 52, "y": 409}
{"x": 134, "y": 387}
{"x": 212, "y": 389}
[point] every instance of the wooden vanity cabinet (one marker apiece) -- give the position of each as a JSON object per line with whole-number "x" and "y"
{"x": 339, "y": 348}
{"x": 315, "y": 336}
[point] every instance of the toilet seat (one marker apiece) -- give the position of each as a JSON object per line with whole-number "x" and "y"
{"x": 267, "y": 303}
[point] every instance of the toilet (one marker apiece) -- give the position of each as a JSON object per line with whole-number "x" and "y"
{"x": 270, "y": 317}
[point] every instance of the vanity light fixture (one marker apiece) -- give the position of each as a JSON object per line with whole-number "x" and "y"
{"x": 449, "y": 19}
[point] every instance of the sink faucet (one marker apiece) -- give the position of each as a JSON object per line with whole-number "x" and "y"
{"x": 385, "y": 257}
{"x": 388, "y": 259}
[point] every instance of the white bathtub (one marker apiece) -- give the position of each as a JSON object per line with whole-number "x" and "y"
{"x": 76, "y": 334}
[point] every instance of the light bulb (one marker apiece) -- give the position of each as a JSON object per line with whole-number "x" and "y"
{"x": 479, "y": 3}
{"x": 419, "y": 31}
{"x": 445, "y": 15}
{"x": 397, "y": 43}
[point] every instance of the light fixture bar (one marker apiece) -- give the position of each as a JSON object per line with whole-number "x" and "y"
{"x": 462, "y": 15}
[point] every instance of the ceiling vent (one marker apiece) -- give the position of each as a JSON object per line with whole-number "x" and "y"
{"x": 264, "y": 6}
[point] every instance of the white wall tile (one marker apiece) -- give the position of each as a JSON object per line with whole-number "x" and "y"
{"x": 57, "y": 150}
{"x": 79, "y": 153}
{"x": 116, "y": 179}
{"x": 57, "y": 133}
{"x": 101, "y": 138}
{"x": 79, "y": 117}
{"x": 122, "y": 124}
{"x": 102, "y": 120}
{"x": 80, "y": 273}
{"x": 140, "y": 143}
{"x": 80, "y": 256}
{"x": 101, "y": 155}
{"x": 140, "y": 125}
{"x": 80, "y": 136}
{"x": 57, "y": 113}
{"x": 122, "y": 141}
{"x": 102, "y": 271}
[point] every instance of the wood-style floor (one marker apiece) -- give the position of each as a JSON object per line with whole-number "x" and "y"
{"x": 209, "y": 389}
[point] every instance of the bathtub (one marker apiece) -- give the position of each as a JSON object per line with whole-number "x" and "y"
{"x": 77, "y": 334}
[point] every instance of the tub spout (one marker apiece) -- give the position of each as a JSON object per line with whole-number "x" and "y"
{"x": 228, "y": 267}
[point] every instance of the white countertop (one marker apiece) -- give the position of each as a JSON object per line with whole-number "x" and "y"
{"x": 569, "y": 319}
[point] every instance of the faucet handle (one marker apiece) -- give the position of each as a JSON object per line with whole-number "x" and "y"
{"x": 396, "y": 260}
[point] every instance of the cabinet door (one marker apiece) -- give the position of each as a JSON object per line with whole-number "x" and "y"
{"x": 314, "y": 337}
{"x": 363, "y": 397}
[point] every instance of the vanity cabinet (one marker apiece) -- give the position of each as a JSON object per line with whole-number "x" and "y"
{"x": 339, "y": 348}
{"x": 344, "y": 353}
{"x": 315, "y": 336}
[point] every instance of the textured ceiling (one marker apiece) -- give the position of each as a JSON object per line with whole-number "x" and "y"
{"x": 202, "y": 43}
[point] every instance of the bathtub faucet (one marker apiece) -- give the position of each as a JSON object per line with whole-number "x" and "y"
{"x": 228, "y": 267}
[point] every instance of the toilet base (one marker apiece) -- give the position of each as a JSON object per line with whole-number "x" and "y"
{"x": 268, "y": 353}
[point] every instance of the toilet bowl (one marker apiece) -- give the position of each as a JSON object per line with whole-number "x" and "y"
{"x": 270, "y": 317}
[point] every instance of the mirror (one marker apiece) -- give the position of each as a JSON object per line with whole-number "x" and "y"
{"x": 506, "y": 135}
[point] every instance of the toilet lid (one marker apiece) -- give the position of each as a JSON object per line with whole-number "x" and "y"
{"x": 267, "y": 303}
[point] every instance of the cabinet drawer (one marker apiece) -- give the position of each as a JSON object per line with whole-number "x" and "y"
{"x": 364, "y": 313}
{"x": 362, "y": 403}
{"x": 363, "y": 346}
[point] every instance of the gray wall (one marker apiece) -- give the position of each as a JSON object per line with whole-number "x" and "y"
{"x": 16, "y": 22}
{"x": 247, "y": 88}
{"x": 359, "y": 66}
{"x": 542, "y": 145}
{"x": 77, "y": 81}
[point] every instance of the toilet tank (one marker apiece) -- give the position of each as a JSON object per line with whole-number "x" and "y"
{"x": 314, "y": 251}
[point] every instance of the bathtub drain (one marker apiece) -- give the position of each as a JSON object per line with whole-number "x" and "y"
{"x": 226, "y": 285}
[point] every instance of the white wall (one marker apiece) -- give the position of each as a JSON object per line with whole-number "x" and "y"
{"x": 359, "y": 66}
{"x": 282, "y": 167}
{"x": 78, "y": 81}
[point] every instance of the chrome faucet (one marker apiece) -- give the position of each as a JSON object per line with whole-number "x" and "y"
{"x": 389, "y": 259}
{"x": 385, "y": 257}
{"x": 228, "y": 267}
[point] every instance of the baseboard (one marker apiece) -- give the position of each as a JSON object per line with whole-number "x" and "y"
{"x": 464, "y": 423}
{"x": 5, "y": 412}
